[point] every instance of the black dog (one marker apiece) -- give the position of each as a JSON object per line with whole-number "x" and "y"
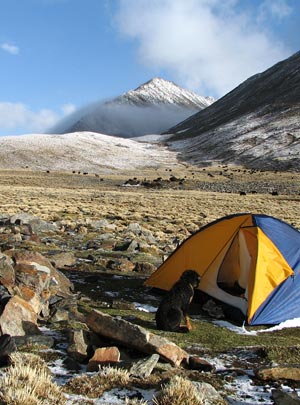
{"x": 175, "y": 304}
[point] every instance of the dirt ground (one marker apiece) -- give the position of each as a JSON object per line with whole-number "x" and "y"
{"x": 202, "y": 195}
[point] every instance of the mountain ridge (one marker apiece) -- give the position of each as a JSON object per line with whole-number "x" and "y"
{"x": 256, "y": 124}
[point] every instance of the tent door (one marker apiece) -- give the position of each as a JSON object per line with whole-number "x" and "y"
{"x": 234, "y": 270}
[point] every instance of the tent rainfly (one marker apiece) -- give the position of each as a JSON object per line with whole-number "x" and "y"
{"x": 258, "y": 253}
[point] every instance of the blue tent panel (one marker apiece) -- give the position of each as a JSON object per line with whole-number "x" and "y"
{"x": 284, "y": 236}
{"x": 282, "y": 304}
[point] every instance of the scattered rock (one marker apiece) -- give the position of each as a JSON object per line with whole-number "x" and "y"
{"x": 63, "y": 259}
{"x": 144, "y": 268}
{"x": 7, "y": 272}
{"x": 196, "y": 363}
{"x": 134, "y": 336}
{"x": 281, "y": 397}
{"x": 7, "y": 346}
{"x": 59, "y": 314}
{"x": 103, "y": 356}
{"x": 135, "y": 228}
{"x": 144, "y": 367}
{"x": 18, "y": 318}
{"x": 208, "y": 395}
{"x": 78, "y": 347}
{"x": 37, "y": 224}
{"x": 279, "y": 373}
{"x": 39, "y": 269}
{"x": 122, "y": 264}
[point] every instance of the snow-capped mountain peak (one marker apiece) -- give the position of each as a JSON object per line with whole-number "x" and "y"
{"x": 151, "y": 108}
{"x": 161, "y": 91}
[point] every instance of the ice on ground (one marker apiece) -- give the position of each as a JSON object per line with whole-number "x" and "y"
{"x": 144, "y": 307}
{"x": 241, "y": 330}
{"x": 290, "y": 323}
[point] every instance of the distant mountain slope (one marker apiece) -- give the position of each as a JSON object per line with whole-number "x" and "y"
{"x": 83, "y": 151}
{"x": 257, "y": 124}
{"x": 150, "y": 109}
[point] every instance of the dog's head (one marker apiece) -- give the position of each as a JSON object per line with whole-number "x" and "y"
{"x": 191, "y": 277}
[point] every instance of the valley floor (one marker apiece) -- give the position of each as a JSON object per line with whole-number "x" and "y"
{"x": 179, "y": 202}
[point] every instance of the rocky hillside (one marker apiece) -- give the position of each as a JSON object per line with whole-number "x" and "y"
{"x": 150, "y": 109}
{"x": 256, "y": 125}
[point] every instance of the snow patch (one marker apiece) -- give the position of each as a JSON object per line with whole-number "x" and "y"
{"x": 241, "y": 330}
{"x": 144, "y": 307}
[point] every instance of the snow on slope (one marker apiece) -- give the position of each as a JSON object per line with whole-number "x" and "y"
{"x": 256, "y": 124}
{"x": 257, "y": 140}
{"x": 84, "y": 151}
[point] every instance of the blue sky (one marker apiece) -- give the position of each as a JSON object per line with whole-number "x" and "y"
{"x": 59, "y": 55}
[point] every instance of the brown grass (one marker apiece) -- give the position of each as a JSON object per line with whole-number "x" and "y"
{"x": 28, "y": 381}
{"x": 94, "y": 386}
{"x": 72, "y": 198}
{"x": 181, "y": 391}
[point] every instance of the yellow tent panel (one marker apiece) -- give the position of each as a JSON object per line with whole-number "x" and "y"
{"x": 273, "y": 270}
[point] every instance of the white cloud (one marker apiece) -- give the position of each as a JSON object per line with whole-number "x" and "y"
{"x": 68, "y": 108}
{"x": 276, "y": 8}
{"x": 12, "y": 49}
{"x": 207, "y": 45}
{"x": 20, "y": 118}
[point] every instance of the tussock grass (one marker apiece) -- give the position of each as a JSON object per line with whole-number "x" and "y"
{"x": 28, "y": 382}
{"x": 179, "y": 391}
{"x": 94, "y": 386}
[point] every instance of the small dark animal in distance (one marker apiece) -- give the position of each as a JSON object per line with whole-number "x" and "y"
{"x": 174, "y": 307}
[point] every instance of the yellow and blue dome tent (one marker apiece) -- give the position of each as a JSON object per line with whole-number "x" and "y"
{"x": 258, "y": 253}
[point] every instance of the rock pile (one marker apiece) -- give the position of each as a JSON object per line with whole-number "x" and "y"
{"x": 34, "y": 291}
{"x": 30, "y": 288}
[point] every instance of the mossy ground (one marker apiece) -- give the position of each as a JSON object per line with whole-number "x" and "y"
{"x": 281, "y": 346}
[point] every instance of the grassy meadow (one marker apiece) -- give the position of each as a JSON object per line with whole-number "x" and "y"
{"x": 195, "y": 202}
